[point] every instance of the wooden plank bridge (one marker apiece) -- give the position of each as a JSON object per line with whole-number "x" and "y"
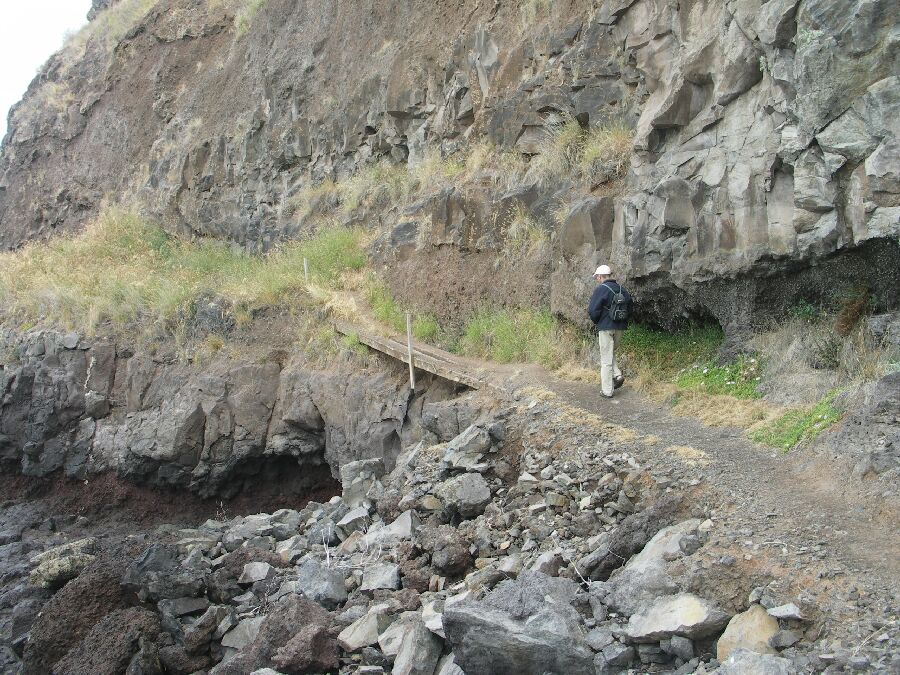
{"x": 425, "y": 357}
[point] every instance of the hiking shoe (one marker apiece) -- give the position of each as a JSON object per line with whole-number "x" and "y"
{"x": 618, "y": 382}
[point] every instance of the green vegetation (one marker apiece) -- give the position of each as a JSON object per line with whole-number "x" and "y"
{"x": 386, "y": 310}
{"x": 739, "y": 378}
{"x": 799, "y": 426}
{"x": 606, "y": 152}
{"x": 525, "y": 336}
{"x": 353, "y": 343}
{"x": 664, "y": 354}
{"x": 126, "y": 272}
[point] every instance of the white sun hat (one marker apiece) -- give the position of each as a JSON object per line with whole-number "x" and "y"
{"x": 604, "y": 270}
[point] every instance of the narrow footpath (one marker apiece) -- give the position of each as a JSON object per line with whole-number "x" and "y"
{"x": 796, "y": 498}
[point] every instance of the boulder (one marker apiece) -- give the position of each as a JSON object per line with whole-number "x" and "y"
{"x": 464, "y": 496}
{"x": 466, "y": 451}
{"x": 321, "y": 584}
{"x": 158, "y": 574}
{"x": 292, "y": 549}
{"x": 365, "y": 630}
{"x": 294, "y": 633}
{"x": 256, "y": 571}
{"x": 632, "y": 534}
{"x": 356, "y": 519}
{"x": 199, "y": 634}
{"x": 488, "y": 640}
{"x": 390, "y": 640}
{"x": 746, "y": 662}
{"x": 109, "y": 646}
{"x": 403, "y": 528}
{"x": 684, "y": 614}
{"x": 58, "y": 565}
{"x": 788, "y": 611}
{"x": 645, "y": 577}
{"x": 381, "y": 576}
{"x": 748, "y": 630}
{"x": 360, "y": 481}
{"x": 419, "y": 652}
{"x": 244, "y": 633}
{"x": 311, "y": 650}
{"x": 447, "y": 666}
{"x": 54, "y": 572}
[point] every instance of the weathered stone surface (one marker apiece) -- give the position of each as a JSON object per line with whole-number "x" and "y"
{"x": 464, "y": 496}
{"x": 256, "y": 571}
{"x": 243, "y": 634}
{"x": 58, "y": 565}
{"x": 158, "y": 574}
{"x": 743, "y": 661}
{"x": 381, "y": 576}
{"x": 684, "y": 614}
{"x": 294, "y": 633}
{"x": 466, "y": 451}
{"x": 486, "y": 640}
{"x": 644, "y": 577}
{"x": 321, "y": 584}
{"x": 419, "y": 651}
{"x": 365, "y": 630}
{"x": 788, "y": 611}
{"x": 748, "y": 630}
{"x": 527, "y": 625}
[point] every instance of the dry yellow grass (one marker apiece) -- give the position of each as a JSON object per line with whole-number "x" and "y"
{"x": 689, "y": 455}
{"x": 712, "y": 409}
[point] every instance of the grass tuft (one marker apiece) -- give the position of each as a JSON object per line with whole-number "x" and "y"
{"x": 606, "y": 152}
{"x": 598, "y": 155}
{"x": 108, "y": 28}
{"x": 524, "y": 336}
{"x": 800, "y": 426}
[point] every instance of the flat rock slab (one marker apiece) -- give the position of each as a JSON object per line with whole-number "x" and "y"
{"x": 684, "y": 614}
{"x": 243, "y": 634}
{"x": 256, "y": 571}
{"x": 382, "y": 576}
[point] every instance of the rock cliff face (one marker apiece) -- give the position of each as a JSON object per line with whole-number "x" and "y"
{"x": 765, "y": 152}
{"x": 86, "y": 407}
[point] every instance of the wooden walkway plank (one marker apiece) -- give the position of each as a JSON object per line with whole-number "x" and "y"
{"x": 428, "y": 358}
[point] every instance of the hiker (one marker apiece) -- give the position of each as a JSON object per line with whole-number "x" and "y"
{"x": 609, "y": 309}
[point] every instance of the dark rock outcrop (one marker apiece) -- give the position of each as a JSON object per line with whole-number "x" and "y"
{"x": 766, "y": 139}
{"x": 82, "y": 407}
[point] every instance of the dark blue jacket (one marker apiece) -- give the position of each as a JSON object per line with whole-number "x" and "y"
{"x": 598, "y": 309}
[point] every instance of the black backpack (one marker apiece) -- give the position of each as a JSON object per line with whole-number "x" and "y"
{"x": 618, "y": 305}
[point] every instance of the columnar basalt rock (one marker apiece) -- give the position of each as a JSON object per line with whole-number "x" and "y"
{"x": 766, "y": 140}
{"x": 88, "y": 408}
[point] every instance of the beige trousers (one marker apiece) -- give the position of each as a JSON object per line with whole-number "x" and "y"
{"x": 609, "y": 340}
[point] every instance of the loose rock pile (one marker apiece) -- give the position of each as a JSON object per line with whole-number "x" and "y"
{"x": 478, "y": 554}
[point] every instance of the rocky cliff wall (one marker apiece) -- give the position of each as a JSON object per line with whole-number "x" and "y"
{"x": 84, "y": 407}
{"x": 766, "y": 136}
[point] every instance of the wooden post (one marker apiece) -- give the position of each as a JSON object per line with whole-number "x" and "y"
{"x": 409, "y": 351}
{"x": 306, "y": 270}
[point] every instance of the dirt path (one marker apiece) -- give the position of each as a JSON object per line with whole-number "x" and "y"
{"x": 796, "y": 496}
{"x": 795, "y": 500}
